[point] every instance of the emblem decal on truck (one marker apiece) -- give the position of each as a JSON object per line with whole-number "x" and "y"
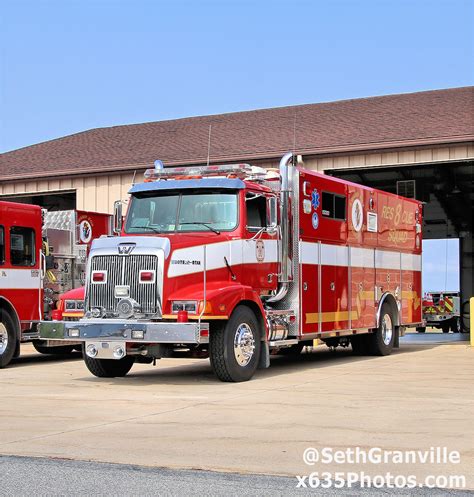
{"x": 85, "y": 231}
{"x": 315, "y": 220}
{"x": 260, "y": 250}
{"x": 357, "y": 215}
{"x": 315, "y": 199}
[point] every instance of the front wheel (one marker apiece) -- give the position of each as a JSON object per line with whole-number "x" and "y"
{"x": 382, "y": 340}
{"x": 234, "y": 348}
{"x": 109, "y": 368}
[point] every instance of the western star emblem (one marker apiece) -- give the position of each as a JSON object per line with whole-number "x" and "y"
{"x": 125, "y": 249}
{"x": 260, "y": 250}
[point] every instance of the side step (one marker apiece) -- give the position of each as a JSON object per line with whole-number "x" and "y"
{"x": 26, "y": 336}
{"x": 283, "y": 343}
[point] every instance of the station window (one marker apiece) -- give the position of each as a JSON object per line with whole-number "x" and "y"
{"x": 2, "y": 245}
{"x": 334, "y": 206}
{"x": 22, "y": 246}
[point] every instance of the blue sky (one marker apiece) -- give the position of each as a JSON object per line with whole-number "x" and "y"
{"x": 67, "y": 66}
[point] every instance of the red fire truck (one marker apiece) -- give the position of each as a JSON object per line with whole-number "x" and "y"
{"x": 239, "y": 261}
{"x": 42, "y": 255}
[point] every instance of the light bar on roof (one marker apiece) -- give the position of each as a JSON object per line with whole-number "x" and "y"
{"x": 241, "y": 171}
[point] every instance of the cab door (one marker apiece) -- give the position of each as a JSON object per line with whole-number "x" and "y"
{"x": 260, "y": 244}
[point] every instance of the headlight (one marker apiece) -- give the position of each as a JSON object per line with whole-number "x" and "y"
{"x": 184, "y": 305}
{"x": 69, "y": 305}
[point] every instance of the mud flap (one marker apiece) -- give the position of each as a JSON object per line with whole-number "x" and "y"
{"x": 264, "y": 361}
{"x": 396, "y": 341}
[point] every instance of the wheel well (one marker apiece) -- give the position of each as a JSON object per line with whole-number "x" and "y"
{"x": 258, "y": 314}
{"x": 389, "y": 299}
{"x": 5, "y": 306}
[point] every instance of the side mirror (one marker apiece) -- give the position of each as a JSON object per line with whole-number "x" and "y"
{"x": 117, "y": 221}
{"x": 272, "y": 215}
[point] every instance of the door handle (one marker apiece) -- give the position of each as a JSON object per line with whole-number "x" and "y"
{"x": 332, "y": 286}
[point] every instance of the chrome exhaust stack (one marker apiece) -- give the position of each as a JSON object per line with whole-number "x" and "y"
{"x": 285, "y": 163}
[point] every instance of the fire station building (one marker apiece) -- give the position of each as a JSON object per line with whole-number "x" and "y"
{"x": 419, "y": 145}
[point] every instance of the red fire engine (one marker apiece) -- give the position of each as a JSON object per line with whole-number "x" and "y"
{"x": 42, "y": 254}
{"x": 239, "y": 261}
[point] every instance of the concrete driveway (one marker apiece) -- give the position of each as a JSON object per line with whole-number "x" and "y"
{"x": 177, "y": 415}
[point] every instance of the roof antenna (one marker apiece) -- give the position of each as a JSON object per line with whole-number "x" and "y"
{"x": 134, "y": 174}
{"x": 209, "y": 144}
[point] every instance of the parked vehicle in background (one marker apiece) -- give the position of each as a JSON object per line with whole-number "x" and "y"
{"x": 237, "y": 261}
{"x": 70, "y": 306}
{"x": 42, "y": 255}
{"x": 442, "y": 310}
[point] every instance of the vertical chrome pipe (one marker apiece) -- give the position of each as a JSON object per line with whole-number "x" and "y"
{"x": 285, "y": 240}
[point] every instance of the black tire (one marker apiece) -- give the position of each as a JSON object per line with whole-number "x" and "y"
{"x": 421, "y": 329}
{"x": 293, "y": 351}
{"x": 455, "y": 325}
{"x": 381, "y": 341}
{"x": 445, "y": 327}
{"x": 8, "y": 338}
{"x": 360, "y": 344}
{"x": 59, "y": 350}
{"x": 108, "y": 368}
{"x": 223, "y": 353}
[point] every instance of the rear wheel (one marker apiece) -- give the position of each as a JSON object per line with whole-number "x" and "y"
{"x": 8, "y": 339}
{"x": 456, "y": 325}
{"x": 421, "y": 329}
{"x": 381, "y": 342}
{"x": 109, "y": 368}
{"x": 234, "y": 348}
{"x": 59, "y": 350}
{"x": 445, "y": 327}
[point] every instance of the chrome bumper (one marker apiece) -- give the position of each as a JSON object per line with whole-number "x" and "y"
{"x": 116, "y": 330}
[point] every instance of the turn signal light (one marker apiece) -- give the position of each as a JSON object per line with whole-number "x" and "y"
{"x": 147, "y": 276}
{"x": 98, "y": 277}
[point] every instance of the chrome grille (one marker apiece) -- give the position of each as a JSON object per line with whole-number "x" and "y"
{"x": 124, "y": 270}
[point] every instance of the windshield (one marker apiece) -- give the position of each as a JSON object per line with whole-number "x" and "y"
{"x": 182, "y": 212}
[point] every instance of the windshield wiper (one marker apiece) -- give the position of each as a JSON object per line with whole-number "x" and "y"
{"x": 146, "y": 228}
{"x": 217, "y": 232}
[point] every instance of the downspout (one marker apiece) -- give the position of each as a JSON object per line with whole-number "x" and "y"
{"x": 285, "y": 162}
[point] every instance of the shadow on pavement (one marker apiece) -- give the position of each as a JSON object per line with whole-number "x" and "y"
{"x": 36, "y": 358}
{"x": 200, "y": 372}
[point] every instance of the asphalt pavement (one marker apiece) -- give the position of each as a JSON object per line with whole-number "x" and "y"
{"x": 27, "y": 476}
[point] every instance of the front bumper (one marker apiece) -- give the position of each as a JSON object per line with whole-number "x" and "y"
{"x": 117, "y": 330}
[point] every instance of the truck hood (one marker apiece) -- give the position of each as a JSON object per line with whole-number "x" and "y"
{"x": 117, "y": 243}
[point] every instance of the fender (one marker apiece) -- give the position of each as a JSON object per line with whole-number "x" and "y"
{"x": 390, "y": 298}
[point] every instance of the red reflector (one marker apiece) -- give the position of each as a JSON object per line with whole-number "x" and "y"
{"x": 204, "y": 333}
{"x": 57, "y": 315}
{"x": 98, "y": 276}
{"x": 182, "y": 316}
{"x": 146, "y": 276}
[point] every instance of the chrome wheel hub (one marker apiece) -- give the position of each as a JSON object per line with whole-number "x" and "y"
{"x": 3, "y": 338}
{"x": 244, "y": 344}
{"x": 387, "y": 329}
